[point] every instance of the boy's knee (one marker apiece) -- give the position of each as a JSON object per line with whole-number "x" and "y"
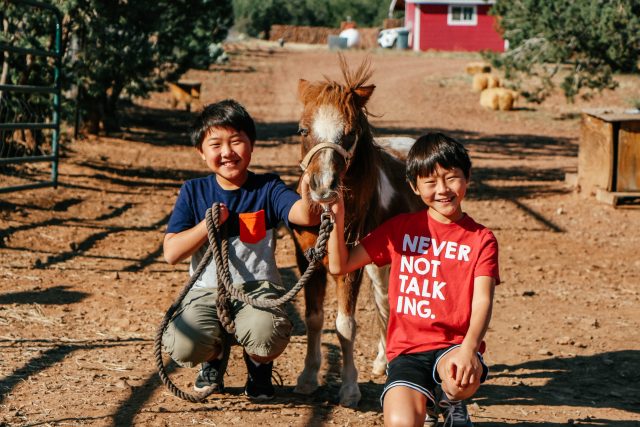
{"x": 266, "y": 337}
{"x": 398, "y": 419}
{"x": 189, "y": 347}
{"x": 460, "y": 393}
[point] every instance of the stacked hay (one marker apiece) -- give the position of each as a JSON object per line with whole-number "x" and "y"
{"x": 302, "y": 34}
{"x": 319, "y": 35}
{"x": 484, "y": 81}
{"x": 498, "y": 98}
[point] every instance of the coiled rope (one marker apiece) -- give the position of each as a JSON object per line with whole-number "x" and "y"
{"x": 219, "y": 249}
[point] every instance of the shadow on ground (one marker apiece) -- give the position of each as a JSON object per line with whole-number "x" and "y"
{"x": 605, "y": 380}
{"x": 56, "y": 295}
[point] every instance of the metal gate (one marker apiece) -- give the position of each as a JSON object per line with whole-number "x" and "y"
{"x": 30, "y": 94}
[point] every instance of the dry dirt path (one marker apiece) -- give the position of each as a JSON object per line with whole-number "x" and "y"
{"x": 83, "y": 284}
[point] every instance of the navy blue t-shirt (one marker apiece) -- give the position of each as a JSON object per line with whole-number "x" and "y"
{"x": 260, "y": 192}
{"x": 255, "y": 210}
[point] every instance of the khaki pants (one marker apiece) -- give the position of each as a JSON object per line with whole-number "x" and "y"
{"x": 195, "y": 335}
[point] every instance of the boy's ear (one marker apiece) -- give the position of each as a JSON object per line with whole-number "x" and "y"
{"x": 414, "y": 189}
{"x": 199, "y": 149}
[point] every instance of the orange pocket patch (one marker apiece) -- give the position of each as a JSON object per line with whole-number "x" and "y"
{"x": 252, "y": 227}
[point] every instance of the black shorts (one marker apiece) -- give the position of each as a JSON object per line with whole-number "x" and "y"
{"x": 419, "y": 372}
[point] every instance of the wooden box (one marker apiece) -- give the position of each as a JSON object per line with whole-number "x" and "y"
{"x": 609, "y": 154}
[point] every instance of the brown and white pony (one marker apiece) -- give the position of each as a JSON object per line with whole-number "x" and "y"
{"x": 340, "y": 155}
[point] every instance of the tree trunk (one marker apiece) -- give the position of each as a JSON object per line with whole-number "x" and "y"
{"x": 111, "y": 120}
{"x": 95, "y": 112}
{"x": 102, "y": 112}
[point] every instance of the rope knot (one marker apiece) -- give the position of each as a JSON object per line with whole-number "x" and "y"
{"x": 315, "y": 255}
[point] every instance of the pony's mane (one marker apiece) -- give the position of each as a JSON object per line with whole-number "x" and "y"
{"x": 357, "y": 79}
{"x": 339, "y": 94}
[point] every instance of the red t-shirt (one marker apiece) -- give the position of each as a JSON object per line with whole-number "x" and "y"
{"x": 433, "y": 267}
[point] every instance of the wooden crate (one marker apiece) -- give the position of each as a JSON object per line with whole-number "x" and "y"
{"x": 609, "y": 154}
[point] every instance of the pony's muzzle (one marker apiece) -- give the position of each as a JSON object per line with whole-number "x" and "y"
{"x": 323, "y": 187}
{"x": 327, "y": 197}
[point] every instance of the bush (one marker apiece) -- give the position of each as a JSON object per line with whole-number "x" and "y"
{"x": 580, "y": 42}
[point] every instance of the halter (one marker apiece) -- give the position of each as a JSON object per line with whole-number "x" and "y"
{"x": 346, "y": 154}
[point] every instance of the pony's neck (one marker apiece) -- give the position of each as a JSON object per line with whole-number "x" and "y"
{"x": 362, "y": 179}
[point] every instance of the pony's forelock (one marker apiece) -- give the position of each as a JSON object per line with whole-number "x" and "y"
{"x": 344, "y": 94}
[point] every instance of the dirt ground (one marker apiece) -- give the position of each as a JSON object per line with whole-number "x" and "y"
{"x": 83, "y": 285}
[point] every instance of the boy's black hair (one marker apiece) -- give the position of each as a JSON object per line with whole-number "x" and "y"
{"x": 226, "y": 114}
{"x": 435, "y": 149}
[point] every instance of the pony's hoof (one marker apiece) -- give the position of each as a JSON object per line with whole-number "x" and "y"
{"x": 379, "y": 367}
{"x": 305, "y": 387}
{"x": 350, "y": 395}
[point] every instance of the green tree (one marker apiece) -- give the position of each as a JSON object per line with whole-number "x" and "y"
{"x": 134, "y": 46}
{"x": 113, "y": 47}
{"x": 579, "y": 43}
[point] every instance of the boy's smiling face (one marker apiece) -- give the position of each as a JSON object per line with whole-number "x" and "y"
{"x": 227, "y": 152}
{"x": 443, "y": 192}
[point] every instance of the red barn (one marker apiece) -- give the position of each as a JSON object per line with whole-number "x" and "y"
{"x": 451, "y": 25}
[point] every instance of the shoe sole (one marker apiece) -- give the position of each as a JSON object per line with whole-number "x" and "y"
{"x": 431, "y": 421}
{"x": 259, "y": 398}
{"x": 216, "y": 389}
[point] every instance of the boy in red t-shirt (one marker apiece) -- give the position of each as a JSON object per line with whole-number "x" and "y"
{"x": 444, "y": 267}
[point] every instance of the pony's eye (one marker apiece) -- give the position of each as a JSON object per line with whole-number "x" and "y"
{"x": 303, "y": 131}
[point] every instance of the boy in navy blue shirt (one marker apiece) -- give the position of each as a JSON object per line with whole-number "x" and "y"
{"x": 252, "y": 205}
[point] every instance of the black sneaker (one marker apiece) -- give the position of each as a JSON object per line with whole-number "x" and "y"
{"x": 454, "y": 412}
{"x": 431, "y": 420}
{"x": 211, "y": 376}
{"x": 258, "y": 386}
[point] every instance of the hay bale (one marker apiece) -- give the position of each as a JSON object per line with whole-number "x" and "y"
{"x": 477, "y": 67}
{"x": 506, "y": 99}
{"x": 498, "y": 98}
{"x": 493, "y": 81}
{"x": 479, "y": 82}
{"x": 489, "y": 99}
{"x": 483, "y": 81}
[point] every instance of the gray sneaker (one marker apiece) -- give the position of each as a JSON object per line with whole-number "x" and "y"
{"x": 454, "y": 412}
{"x": 211, "y": 376}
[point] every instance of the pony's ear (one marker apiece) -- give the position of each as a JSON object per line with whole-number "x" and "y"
{"x": 363, "y": 94}
{"x": 302, "y": 87}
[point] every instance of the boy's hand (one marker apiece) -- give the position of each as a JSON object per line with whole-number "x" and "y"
{"x": 463, "y": 367}
{"x": 304, "y": 185}
{"x": 337, "y": 209}
{"x": 224, "y": 213}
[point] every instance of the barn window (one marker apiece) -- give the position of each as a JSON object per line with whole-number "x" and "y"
{"x": 462, "y": 15}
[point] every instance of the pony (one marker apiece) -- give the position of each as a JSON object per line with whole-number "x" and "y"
{"x": 340, "y": 155}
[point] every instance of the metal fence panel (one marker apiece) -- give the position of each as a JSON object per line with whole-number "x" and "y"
{"x": 30, "y": 110}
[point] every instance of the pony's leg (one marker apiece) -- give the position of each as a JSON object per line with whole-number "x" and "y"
{"x": 314, "y": 293}
{"x": 380, "y": 285}
{"x": 348, "y": 287}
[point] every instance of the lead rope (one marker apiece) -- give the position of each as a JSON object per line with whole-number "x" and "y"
{"x": 219, "y": 246}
